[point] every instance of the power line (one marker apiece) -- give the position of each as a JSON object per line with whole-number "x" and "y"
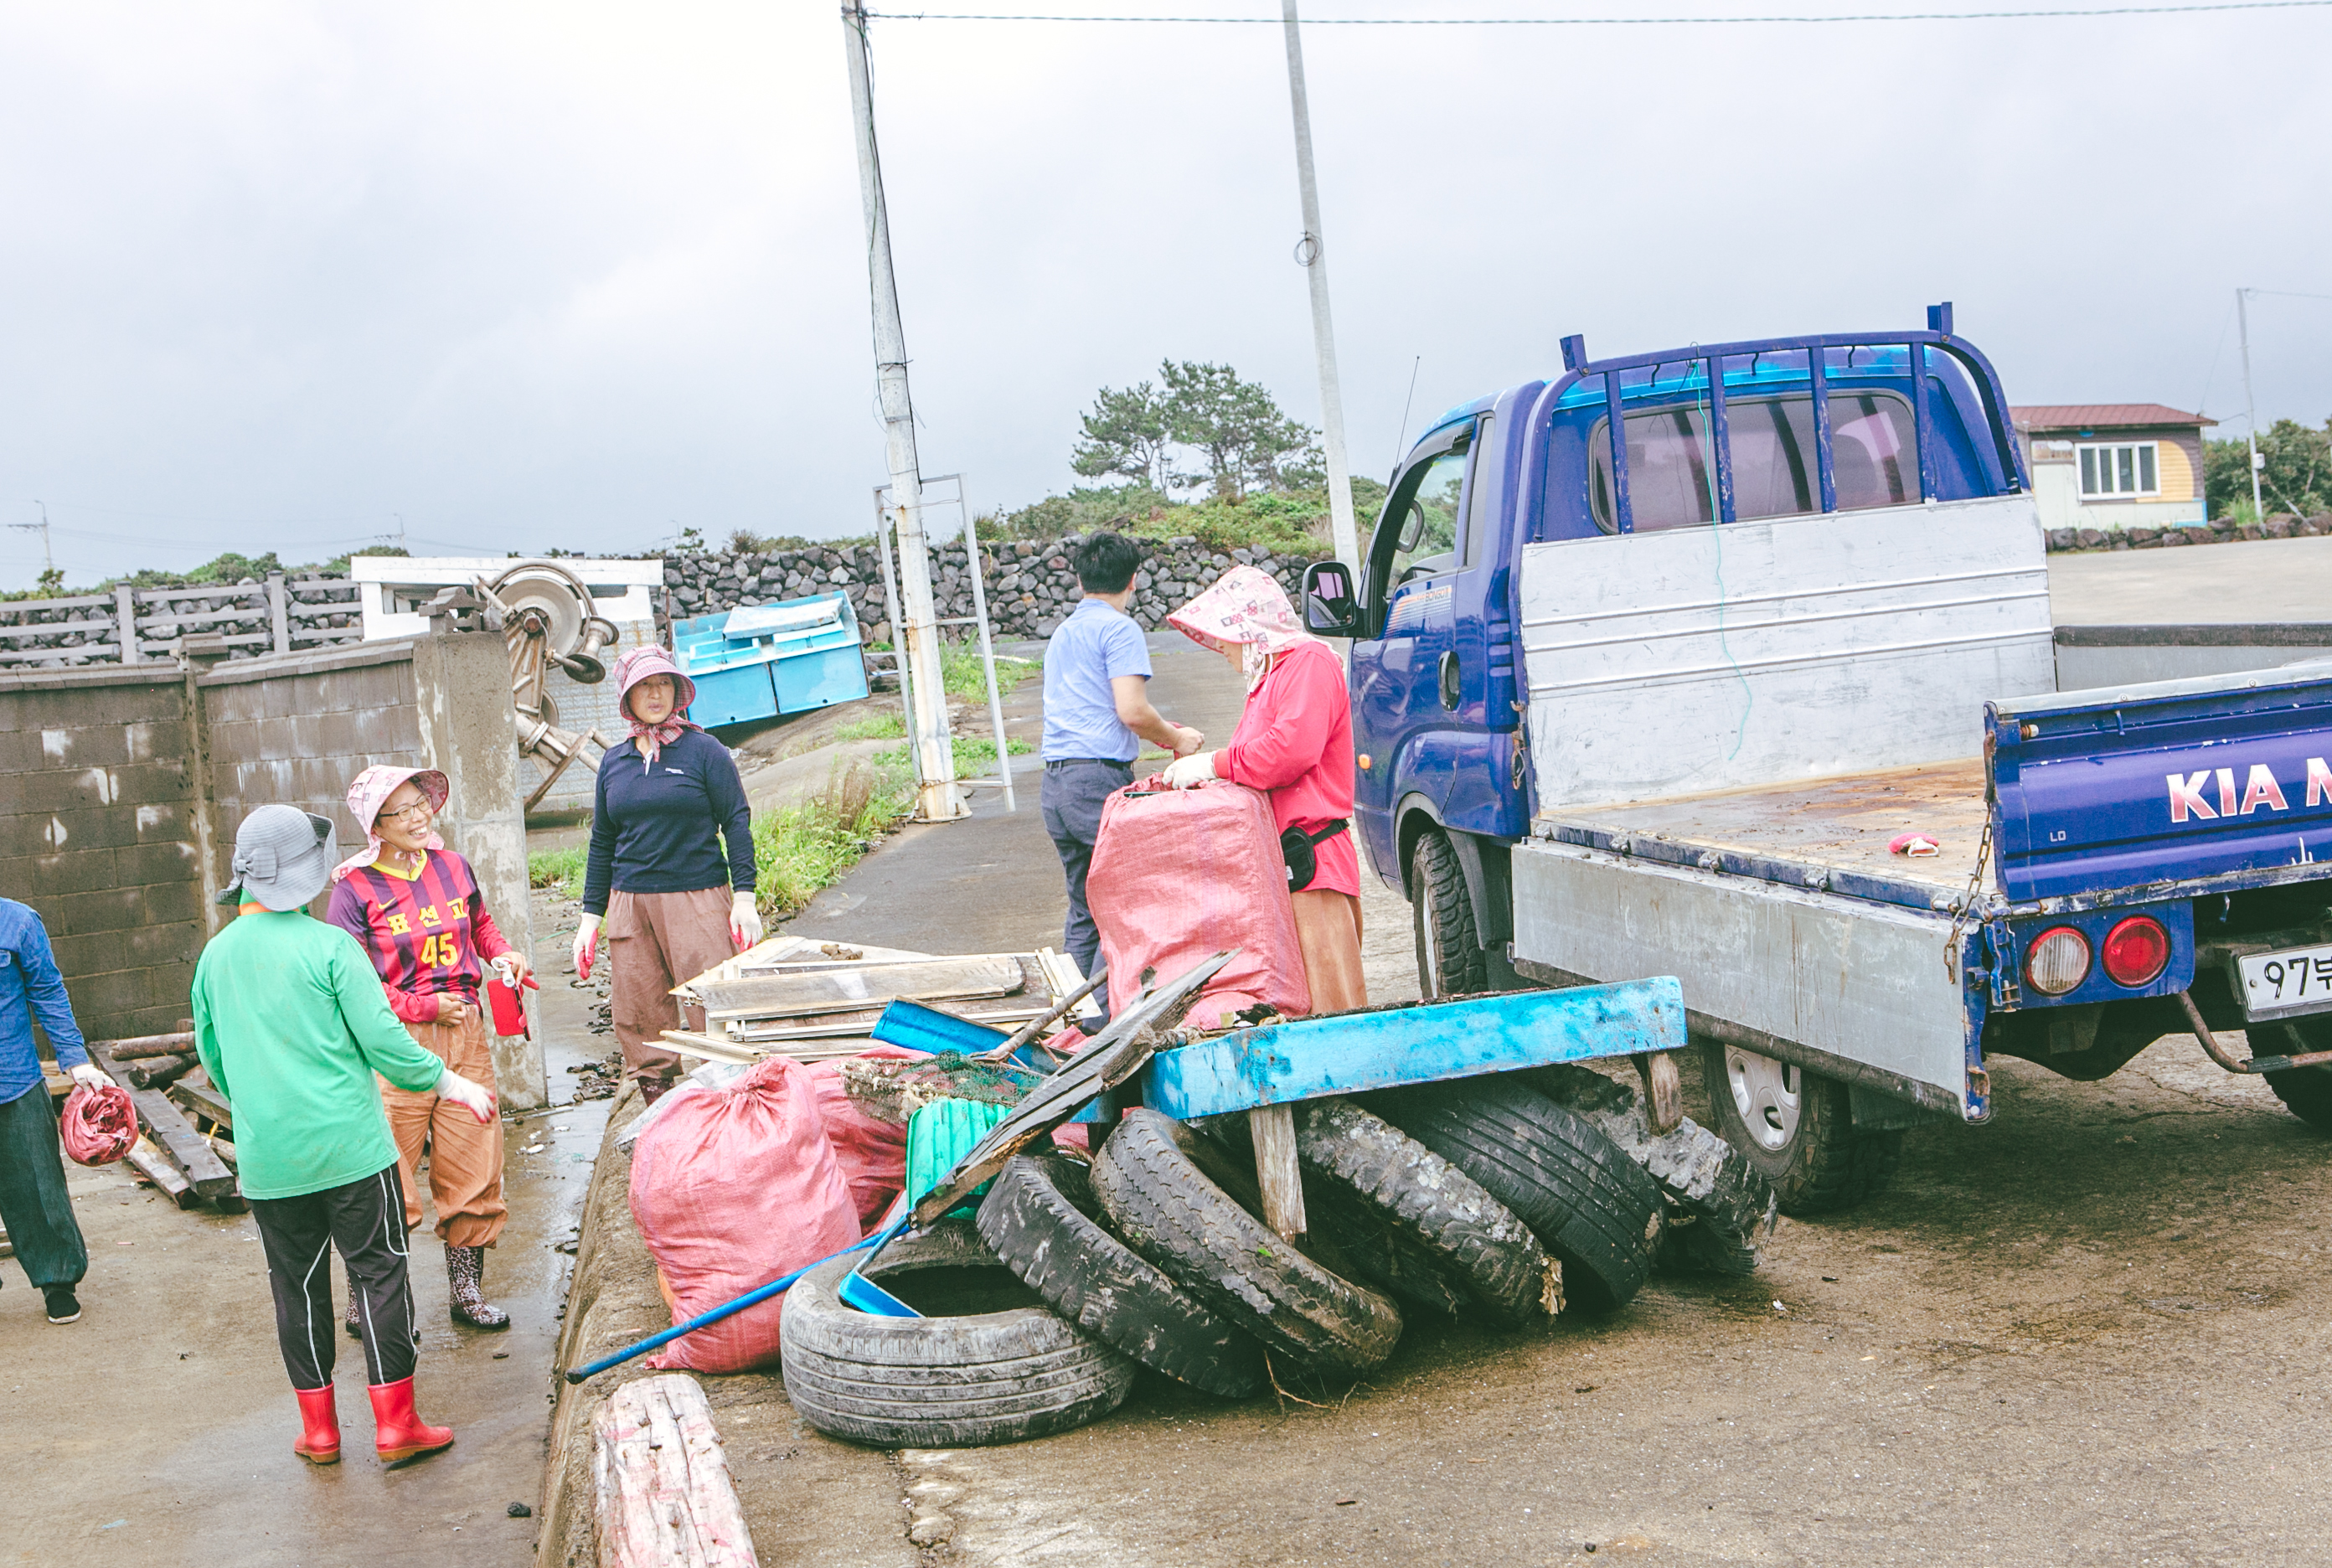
{"x": 1616, "y": 21}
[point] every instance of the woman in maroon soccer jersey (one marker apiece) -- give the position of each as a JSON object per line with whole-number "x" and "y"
{"x": 413, "y": 906}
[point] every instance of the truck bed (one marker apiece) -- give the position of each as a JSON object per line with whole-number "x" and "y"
{"x": 1830, "y": 833}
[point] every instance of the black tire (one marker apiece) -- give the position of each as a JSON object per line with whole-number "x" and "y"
{"x": 1718, "y": 1203}
{"x": 1417, "y": 1225}
{"x": 1043, "y": 1221}
{"x": 1181, "y": 1201}
{"x": 940, "y": 1382}
{"x": 1591, "y": 1205}
{"x": 1449, "y": 959}
{"x": 2306, "y": 1092}
{"x": 1818, "y": 1163}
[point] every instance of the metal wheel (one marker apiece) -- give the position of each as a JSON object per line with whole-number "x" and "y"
{"x": 1797, "y": 1129}
{"x": 1765, "y": 1096}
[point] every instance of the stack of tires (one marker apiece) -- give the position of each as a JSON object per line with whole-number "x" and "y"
{"x": 1493, "y": 1198}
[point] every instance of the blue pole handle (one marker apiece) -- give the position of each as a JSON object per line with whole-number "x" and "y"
{"x": 727, "y": 1309}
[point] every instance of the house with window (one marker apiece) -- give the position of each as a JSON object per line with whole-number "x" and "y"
{"x": 2115, "y": 466}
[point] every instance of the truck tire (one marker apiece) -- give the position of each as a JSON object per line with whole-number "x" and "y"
{"x": 1450, "y": 961}
{"x": 1718, "y": 1203}
{"x": 1043, "y": 1221}
{"x": 1411, "y": 1223}
{"x": 2306, "y": 1092}
{"x": 1181, "y": 1200}
{"x": 940, "y": 1382}
{"x": 1588, "y": 1203}
{"x": 1797, "y": 1129}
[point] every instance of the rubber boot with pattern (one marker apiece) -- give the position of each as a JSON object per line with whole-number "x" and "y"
{"x": 465, "y": 1299}
{"x": 400, "y": 1433}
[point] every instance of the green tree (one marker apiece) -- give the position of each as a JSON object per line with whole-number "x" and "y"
{"x": 2296, "y": 477}
{"x": 1126, "y": 435}
{"x": 1237, "y": 427}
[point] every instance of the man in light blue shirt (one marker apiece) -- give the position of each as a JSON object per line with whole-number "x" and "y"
{"x": 33, "y": 1203}
{"x": 1097, "y": 714}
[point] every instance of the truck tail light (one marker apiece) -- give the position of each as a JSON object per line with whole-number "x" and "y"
{"x": 2137, "y": 950}
{"x": 2057, "y": 960}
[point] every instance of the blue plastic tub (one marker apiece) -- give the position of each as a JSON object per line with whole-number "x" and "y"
{"x": 761, "y": 661}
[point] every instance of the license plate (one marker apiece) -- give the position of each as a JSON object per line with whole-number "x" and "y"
{"x": 2279, "y": 985}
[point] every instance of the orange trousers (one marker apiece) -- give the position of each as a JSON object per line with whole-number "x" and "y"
{"x": 465, "y": 1159}
{"x": 1328, "y": 931}
{"x": 654, "y": 942}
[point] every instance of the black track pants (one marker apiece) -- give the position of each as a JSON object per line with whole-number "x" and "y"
{"x": 366, "y": 1221}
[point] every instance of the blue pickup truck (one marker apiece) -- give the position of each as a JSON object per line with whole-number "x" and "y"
{"x": 1735, "y": 663}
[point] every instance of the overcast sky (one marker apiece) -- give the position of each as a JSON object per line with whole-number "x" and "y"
{"x": 279, "y": 276}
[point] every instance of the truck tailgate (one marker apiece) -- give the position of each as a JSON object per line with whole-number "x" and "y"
{"x": 2218, "y": 781}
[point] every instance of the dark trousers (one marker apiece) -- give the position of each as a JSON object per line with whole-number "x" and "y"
{"x": 1072, "y": 798}
{"x": 366, "y": 1221}
{"x": 32, "y": 1201}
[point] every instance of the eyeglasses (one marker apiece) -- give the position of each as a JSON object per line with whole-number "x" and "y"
{"x": 419, "y": 811}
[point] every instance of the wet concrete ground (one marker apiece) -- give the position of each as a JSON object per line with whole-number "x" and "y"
{"x": 157, "y": 1430}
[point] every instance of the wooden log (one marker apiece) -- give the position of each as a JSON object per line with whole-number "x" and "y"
{"x": 204, "y": 1100}
{"x": 1273, "y": 1128}
{"x": 141, "y": 1046}
{"x": 159, "y": 1072}
{"x": 172, "y": 1133}
{"x": 1663, "y": 1091}
{"x": 149, "y": 1163}
{"x": 663, "y": 1494}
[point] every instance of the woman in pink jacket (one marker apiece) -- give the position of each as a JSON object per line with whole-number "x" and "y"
{"x": 1295, "y": 743}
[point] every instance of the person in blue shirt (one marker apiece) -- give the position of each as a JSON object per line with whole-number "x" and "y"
{"x": 1097, "y": 714}
{"x": 34, "y": 1204}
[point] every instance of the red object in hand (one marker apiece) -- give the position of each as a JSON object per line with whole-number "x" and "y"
{"x": 98, "y": 1124}
{"x": 509, "y": 1007}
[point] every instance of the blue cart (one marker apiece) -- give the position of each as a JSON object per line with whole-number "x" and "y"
{"x": 765, "y": 660}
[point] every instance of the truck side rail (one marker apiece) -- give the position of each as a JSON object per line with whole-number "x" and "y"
{"x": 2210, "y": 784}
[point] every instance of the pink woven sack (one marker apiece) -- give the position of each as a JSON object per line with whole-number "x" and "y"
{"x": 1179, "y": 875}
{"x": 98, "y": 1124}
{"x": 732, "y": 1188}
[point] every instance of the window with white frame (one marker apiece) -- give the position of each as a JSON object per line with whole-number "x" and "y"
{"x": 2120, "y": 468}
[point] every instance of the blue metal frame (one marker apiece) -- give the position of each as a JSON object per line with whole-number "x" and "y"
{"x": 1349, "y": 1053}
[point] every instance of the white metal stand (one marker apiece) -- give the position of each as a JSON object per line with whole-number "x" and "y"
{"x": 883, "y": 512}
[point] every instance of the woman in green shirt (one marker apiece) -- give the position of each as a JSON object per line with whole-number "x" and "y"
{"x": 292, "y": 1023}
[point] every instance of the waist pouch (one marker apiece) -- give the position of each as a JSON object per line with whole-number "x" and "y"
{"x": 1295, "y": 848}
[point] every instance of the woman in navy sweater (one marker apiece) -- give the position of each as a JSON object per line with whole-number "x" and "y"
{"x": 670, "y": 877}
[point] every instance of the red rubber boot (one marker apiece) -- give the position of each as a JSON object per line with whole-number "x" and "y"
{"x": 400, "y": 1433}
{"x": 320, "y": 1427}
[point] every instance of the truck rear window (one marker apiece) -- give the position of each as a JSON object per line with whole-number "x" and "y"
{"x": 1672, "y": 471}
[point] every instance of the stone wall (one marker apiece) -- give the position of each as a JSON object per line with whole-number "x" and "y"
{"x": 2219, "y": 531}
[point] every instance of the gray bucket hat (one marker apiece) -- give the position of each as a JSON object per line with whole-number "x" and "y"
{"x": 283, "y": 858}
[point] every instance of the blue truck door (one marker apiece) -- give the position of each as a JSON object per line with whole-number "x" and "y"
{"x": 1402, "y": 675}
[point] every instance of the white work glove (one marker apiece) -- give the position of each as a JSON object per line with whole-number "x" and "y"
{"x": 744, "y": 922}
{"x": 586, "y": 946}
{"x": 1184, "y": 773}
{"x": 1187, "y": 740}
{"x": 512, "y": 969}
{"x": 477, "y": 1099}
{"x": 90, "y": 1075}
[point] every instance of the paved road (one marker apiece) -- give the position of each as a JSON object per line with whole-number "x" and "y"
{"x": 158, "y": 1430}
{"x": 2272, "y": 579}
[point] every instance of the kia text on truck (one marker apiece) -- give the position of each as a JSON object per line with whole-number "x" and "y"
{"x": 1735, "y": 663}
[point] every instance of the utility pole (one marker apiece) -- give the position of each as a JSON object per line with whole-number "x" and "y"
{"x": 937, "y": 798}
{"x": 1312, "y": 255}
{"x": 48, "y": 557}
{"x": 2250, "y": 405}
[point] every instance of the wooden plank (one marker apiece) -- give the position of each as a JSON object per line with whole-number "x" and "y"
{"x": 203, "y": 1101}
{"x": 828, "y": 990}
{"x": 1347, "y": 1053}
{"x": 170, "y": 1129}
{"x": 148, "y": 1162}
{"x": 170, "y": 1045}
{"x": 1277, "y": 1171}
{"x": 1663, "y": 1091}
{"x": 663, "y": 1496}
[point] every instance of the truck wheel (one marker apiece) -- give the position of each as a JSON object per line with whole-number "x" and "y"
{"x": 2306, "y": 1092}
{"x": 1797, "y": 1128}
{"x": 1448, "y": 956}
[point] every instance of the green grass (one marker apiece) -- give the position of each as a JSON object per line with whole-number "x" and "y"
{"x": 973, "y": 754}
{"x": 962, "y": 675}
{"x": 876, "y": 727}
{"x": 557, "y": 868}
{"x": 806, "y": 847}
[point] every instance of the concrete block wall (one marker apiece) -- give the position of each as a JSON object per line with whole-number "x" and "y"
{"x": 98, "y": 834}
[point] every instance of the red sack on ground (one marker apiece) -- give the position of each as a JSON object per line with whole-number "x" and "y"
{"x": 1179, "y": 875}
{"x": 871, "y": 1152}
{"x": 732, "y": 1188}
{"x": 98, "y": 1124}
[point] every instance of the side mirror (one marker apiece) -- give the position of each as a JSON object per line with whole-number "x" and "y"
{"x": 1331, "y": 608}
{"x": 1412, "y": 527}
